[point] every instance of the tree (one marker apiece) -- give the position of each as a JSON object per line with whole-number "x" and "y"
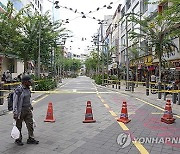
{"x": 160, "y": 31}
{"x": 10, "y": 31}
{"x": 21, "y": 32}
{"x": 39, "y": 27}
{"x": 72, "y": 65}
{"x": 59, "y": 59}
{"x": 92, "y": 63}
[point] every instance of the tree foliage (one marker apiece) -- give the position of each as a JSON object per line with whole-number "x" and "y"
{"x": 72, "y": 65}
{"x": 10, "y": 31}
{"x": 92, "y": 63}
{"x": 24, "y": 34}
{"x": 159, "y": 31}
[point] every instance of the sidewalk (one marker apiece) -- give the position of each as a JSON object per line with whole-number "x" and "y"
{"x": 34, "y": 96}
{"x": 140, "y": 92}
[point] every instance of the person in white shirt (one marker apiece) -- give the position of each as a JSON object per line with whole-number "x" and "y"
{"x": 153, "y": 78}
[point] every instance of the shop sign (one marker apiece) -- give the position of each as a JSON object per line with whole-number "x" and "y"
{"x": 148, "y": 60}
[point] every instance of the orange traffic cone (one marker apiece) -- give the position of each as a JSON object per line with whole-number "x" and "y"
{"x": 89, "y": 115}
{"x": 124, "y": 115}
{"x": 168, "y": 116}
{"x": 49, "y": 116}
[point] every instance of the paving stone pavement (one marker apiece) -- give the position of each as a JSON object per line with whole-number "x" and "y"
{"x": 69, "y": 135}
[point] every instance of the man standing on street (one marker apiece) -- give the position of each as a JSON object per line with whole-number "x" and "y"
{"x": 22, "y": 109}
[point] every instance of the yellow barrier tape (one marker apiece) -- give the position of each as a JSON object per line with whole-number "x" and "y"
{"x": 155, "y": 90}
{"x": 152, "y": 83}
{"x": 71, "y": 92}
{"x": 16, "y": 83}
{"x": 3, "y": 96}
{"x": 10, "y": 84}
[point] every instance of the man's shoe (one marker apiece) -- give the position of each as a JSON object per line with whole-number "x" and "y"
{"x": 32, "y": 141}
{"x": 19, "y": 142}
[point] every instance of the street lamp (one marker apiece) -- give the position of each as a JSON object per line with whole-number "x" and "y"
{"x": 126, "y": 55}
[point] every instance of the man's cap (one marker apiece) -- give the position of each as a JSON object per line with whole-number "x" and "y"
{"x": 26, "y": 78}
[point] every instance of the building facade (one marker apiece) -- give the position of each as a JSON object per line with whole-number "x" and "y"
{"x": 119, "y": 35}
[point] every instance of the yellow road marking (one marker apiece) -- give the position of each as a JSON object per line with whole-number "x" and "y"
{"x": 113, "y": 113}
{"x": 150, "y": 104}
{"x": 140, "y": 147}
{"x": 99, "y": 96}
{"x": 123, "y": 126}
{"x": 155, "y": 107}
{"x": 102, "y": 100}
{"x": 107, "y": 106}
{"x": 177, "y": 116}
{"x": 34, "y": 102}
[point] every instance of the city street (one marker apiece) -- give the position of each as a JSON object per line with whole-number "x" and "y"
{"x": 69, "y": 135}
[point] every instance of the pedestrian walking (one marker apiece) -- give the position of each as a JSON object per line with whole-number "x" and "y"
{"x": 22, "y": 109}
{"x": 8, "y": 79}
{"x": 153, "y": 78}
{"x": 19, "y": 77}
{"x": 4, "y": 77}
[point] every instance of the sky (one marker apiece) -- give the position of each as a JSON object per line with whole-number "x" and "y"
{"x": 81, "y": 27}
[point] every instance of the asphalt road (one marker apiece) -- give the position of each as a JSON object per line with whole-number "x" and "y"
{"x": 69, "y": 135}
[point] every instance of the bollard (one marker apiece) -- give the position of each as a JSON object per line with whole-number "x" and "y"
{"x": 159, "y": 89}
{"x": 116, "y": 85}
{"x": 1, "y": 94}
{"x": 174, "y": 95}
{"x": 147, "y": 87}
{"x": 178, "y": 102}
{"x": 165, "y": 93}
{"x": 174, "y": 98}
{"x": 119, "y": 85}
{"x": 133, "y": 86}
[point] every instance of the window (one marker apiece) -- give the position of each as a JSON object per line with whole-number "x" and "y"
{"x": 40, "y": 7}
{"x": 38, "y": 4}
{"x": 123, "y": 12}
{"x": 123, "y": 40}
{"x": 144, "y": 6}
{"x": 123, "y": 25}
{"x": 136, "y": 9}
{"x": 128, "y": 5}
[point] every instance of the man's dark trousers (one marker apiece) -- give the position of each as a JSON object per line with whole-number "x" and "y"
{"x": 27, "y": 117}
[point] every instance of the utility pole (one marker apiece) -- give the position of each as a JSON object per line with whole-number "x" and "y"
{"x": 117, "y": 54}
{"x": 102, "y": 43}
{"x": 127, "y": 58}
{"x": 39, "y": 51}
{"x": 98, "y": 52}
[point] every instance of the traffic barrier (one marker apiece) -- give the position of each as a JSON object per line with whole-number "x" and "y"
{"x": 49, "y": 116}
{"x": 168, "y": 115}
{"x": 89, "y": 114}
{"x": 124, "y": 115}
